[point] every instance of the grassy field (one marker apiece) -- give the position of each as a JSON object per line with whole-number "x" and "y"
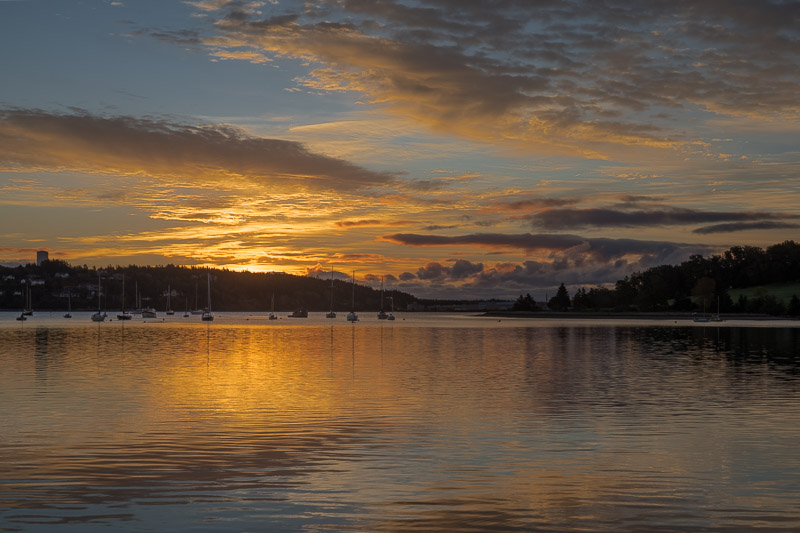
{"x": 782, "y": 291}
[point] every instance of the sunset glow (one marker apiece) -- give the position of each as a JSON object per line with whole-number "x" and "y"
{"x": 458, "y": 149}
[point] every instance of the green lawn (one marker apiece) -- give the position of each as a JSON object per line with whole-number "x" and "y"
{"x": 782, "y": 291}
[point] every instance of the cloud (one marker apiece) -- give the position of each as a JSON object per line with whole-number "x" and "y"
{"x": 433, "y": 271}
{"x": 744, "y": 226}
{"x": 578, "y": 249}
{"x": 462, "y": 269}
{"x": 573, "y": 77}
{"x": 609, "y": 217}
{"x": 38, "y": 140}
{"x": 371, "y": 222}
{"x": 532, "y": 203}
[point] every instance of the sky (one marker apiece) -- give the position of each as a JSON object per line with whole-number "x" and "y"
{"x": 453, "y": 148}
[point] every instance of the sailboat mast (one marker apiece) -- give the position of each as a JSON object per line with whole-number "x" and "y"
{"x": 208, "y": 278}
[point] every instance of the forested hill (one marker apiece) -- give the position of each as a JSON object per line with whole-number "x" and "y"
{"x": 52, "y": 281}
{"x": 699, "y": 284}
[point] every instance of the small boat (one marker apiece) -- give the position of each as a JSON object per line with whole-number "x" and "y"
{"x": 22, "y": 317}
{"x": 124, "y": 315}
{"x": 186, "y": 313}
{"x": 207, "y": 316}
{"x": 382, "y": 315}
{"x": 331, "y": 313}
{"x": 149, "y": 312}
{"x": 68, "y": 314}
{"x": 352, "y": 316}
{"x": 99, "y": 316}
{"x": 197, "y": 310}
{"x": 299, "y": 313}
{"x": 391, "y": 313}
{"x": 717, "y": 317}
{"x": 28, "y": 311}
{"x": 169, "y": 307}
{"x": 272, "y": 315}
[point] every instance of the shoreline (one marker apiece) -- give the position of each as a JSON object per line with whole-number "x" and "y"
{"x": 630, "y": 316}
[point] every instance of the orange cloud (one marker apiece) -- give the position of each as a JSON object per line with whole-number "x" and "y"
{"x": 32, "y": 140}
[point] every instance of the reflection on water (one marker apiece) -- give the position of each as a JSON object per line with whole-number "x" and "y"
{"x": 429, "y": 427}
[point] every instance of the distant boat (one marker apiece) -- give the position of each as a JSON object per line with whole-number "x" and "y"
{"x": 197, "y": 310}
{"x": 299, "y": 313}
{"x": 207, "y": 316}
{"x": 68, "y": 314}
{"x": 382, "y": 314}
{"x": 28, "y": 311}
{"x": 124, "y": 315}
{"x": 331, "y": 313}
{"x": 352, "y": 316}
{"x": 272, "y": 315}
{"x": 717, "y": 317}
{"x": 169, "y": 307}
{"x": 22, "y": 317}
{"x": 391, "y": 313}
{"x": 99, "y": 316}
{"x": 701, "y": 318}
{"x": 186, "y": 313}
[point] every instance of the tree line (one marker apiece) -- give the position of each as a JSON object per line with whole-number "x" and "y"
{"x": 697, "y": 284}
{"x": 54, "y": 282}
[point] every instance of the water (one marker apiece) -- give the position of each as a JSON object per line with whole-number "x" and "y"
{"x": 428, "y": 423}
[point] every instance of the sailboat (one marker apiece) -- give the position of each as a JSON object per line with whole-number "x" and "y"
{"x": 207, "y": 316}
{"x": 28, "y": 302}
{"x": 382, "y": 314}
{"x": 124, "y": 315}
{"x": 352, "y": 316}
{"x": 186, "y": 313}
{"x": 717, "y": 318}
{"x": 197, "y": 310}
{"x": 331, "y": 313}
{"x": 391, "y": 313}
{"x": 169, "y": 307}
{"x": 99, "y": 316}
{"x": 272, "y": 315}
{"x": 68, "y": 314}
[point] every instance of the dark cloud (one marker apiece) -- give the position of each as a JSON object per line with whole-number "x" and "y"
{"x": 608, "y": 217}
{"x": 160, "y": 148}
{"x": 533, "y": 203}
{"x": 462, "y": 269}
{"x": 579, "y": 249}
{"x": 744, "y": 226}
{"x": 433, "y": 271}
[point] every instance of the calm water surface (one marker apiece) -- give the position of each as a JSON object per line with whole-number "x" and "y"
{"x": 426, "y": 424}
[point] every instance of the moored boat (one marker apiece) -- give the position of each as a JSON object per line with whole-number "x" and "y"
{"x": 352, "y": 316}
{"x": 207, "y": 316}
